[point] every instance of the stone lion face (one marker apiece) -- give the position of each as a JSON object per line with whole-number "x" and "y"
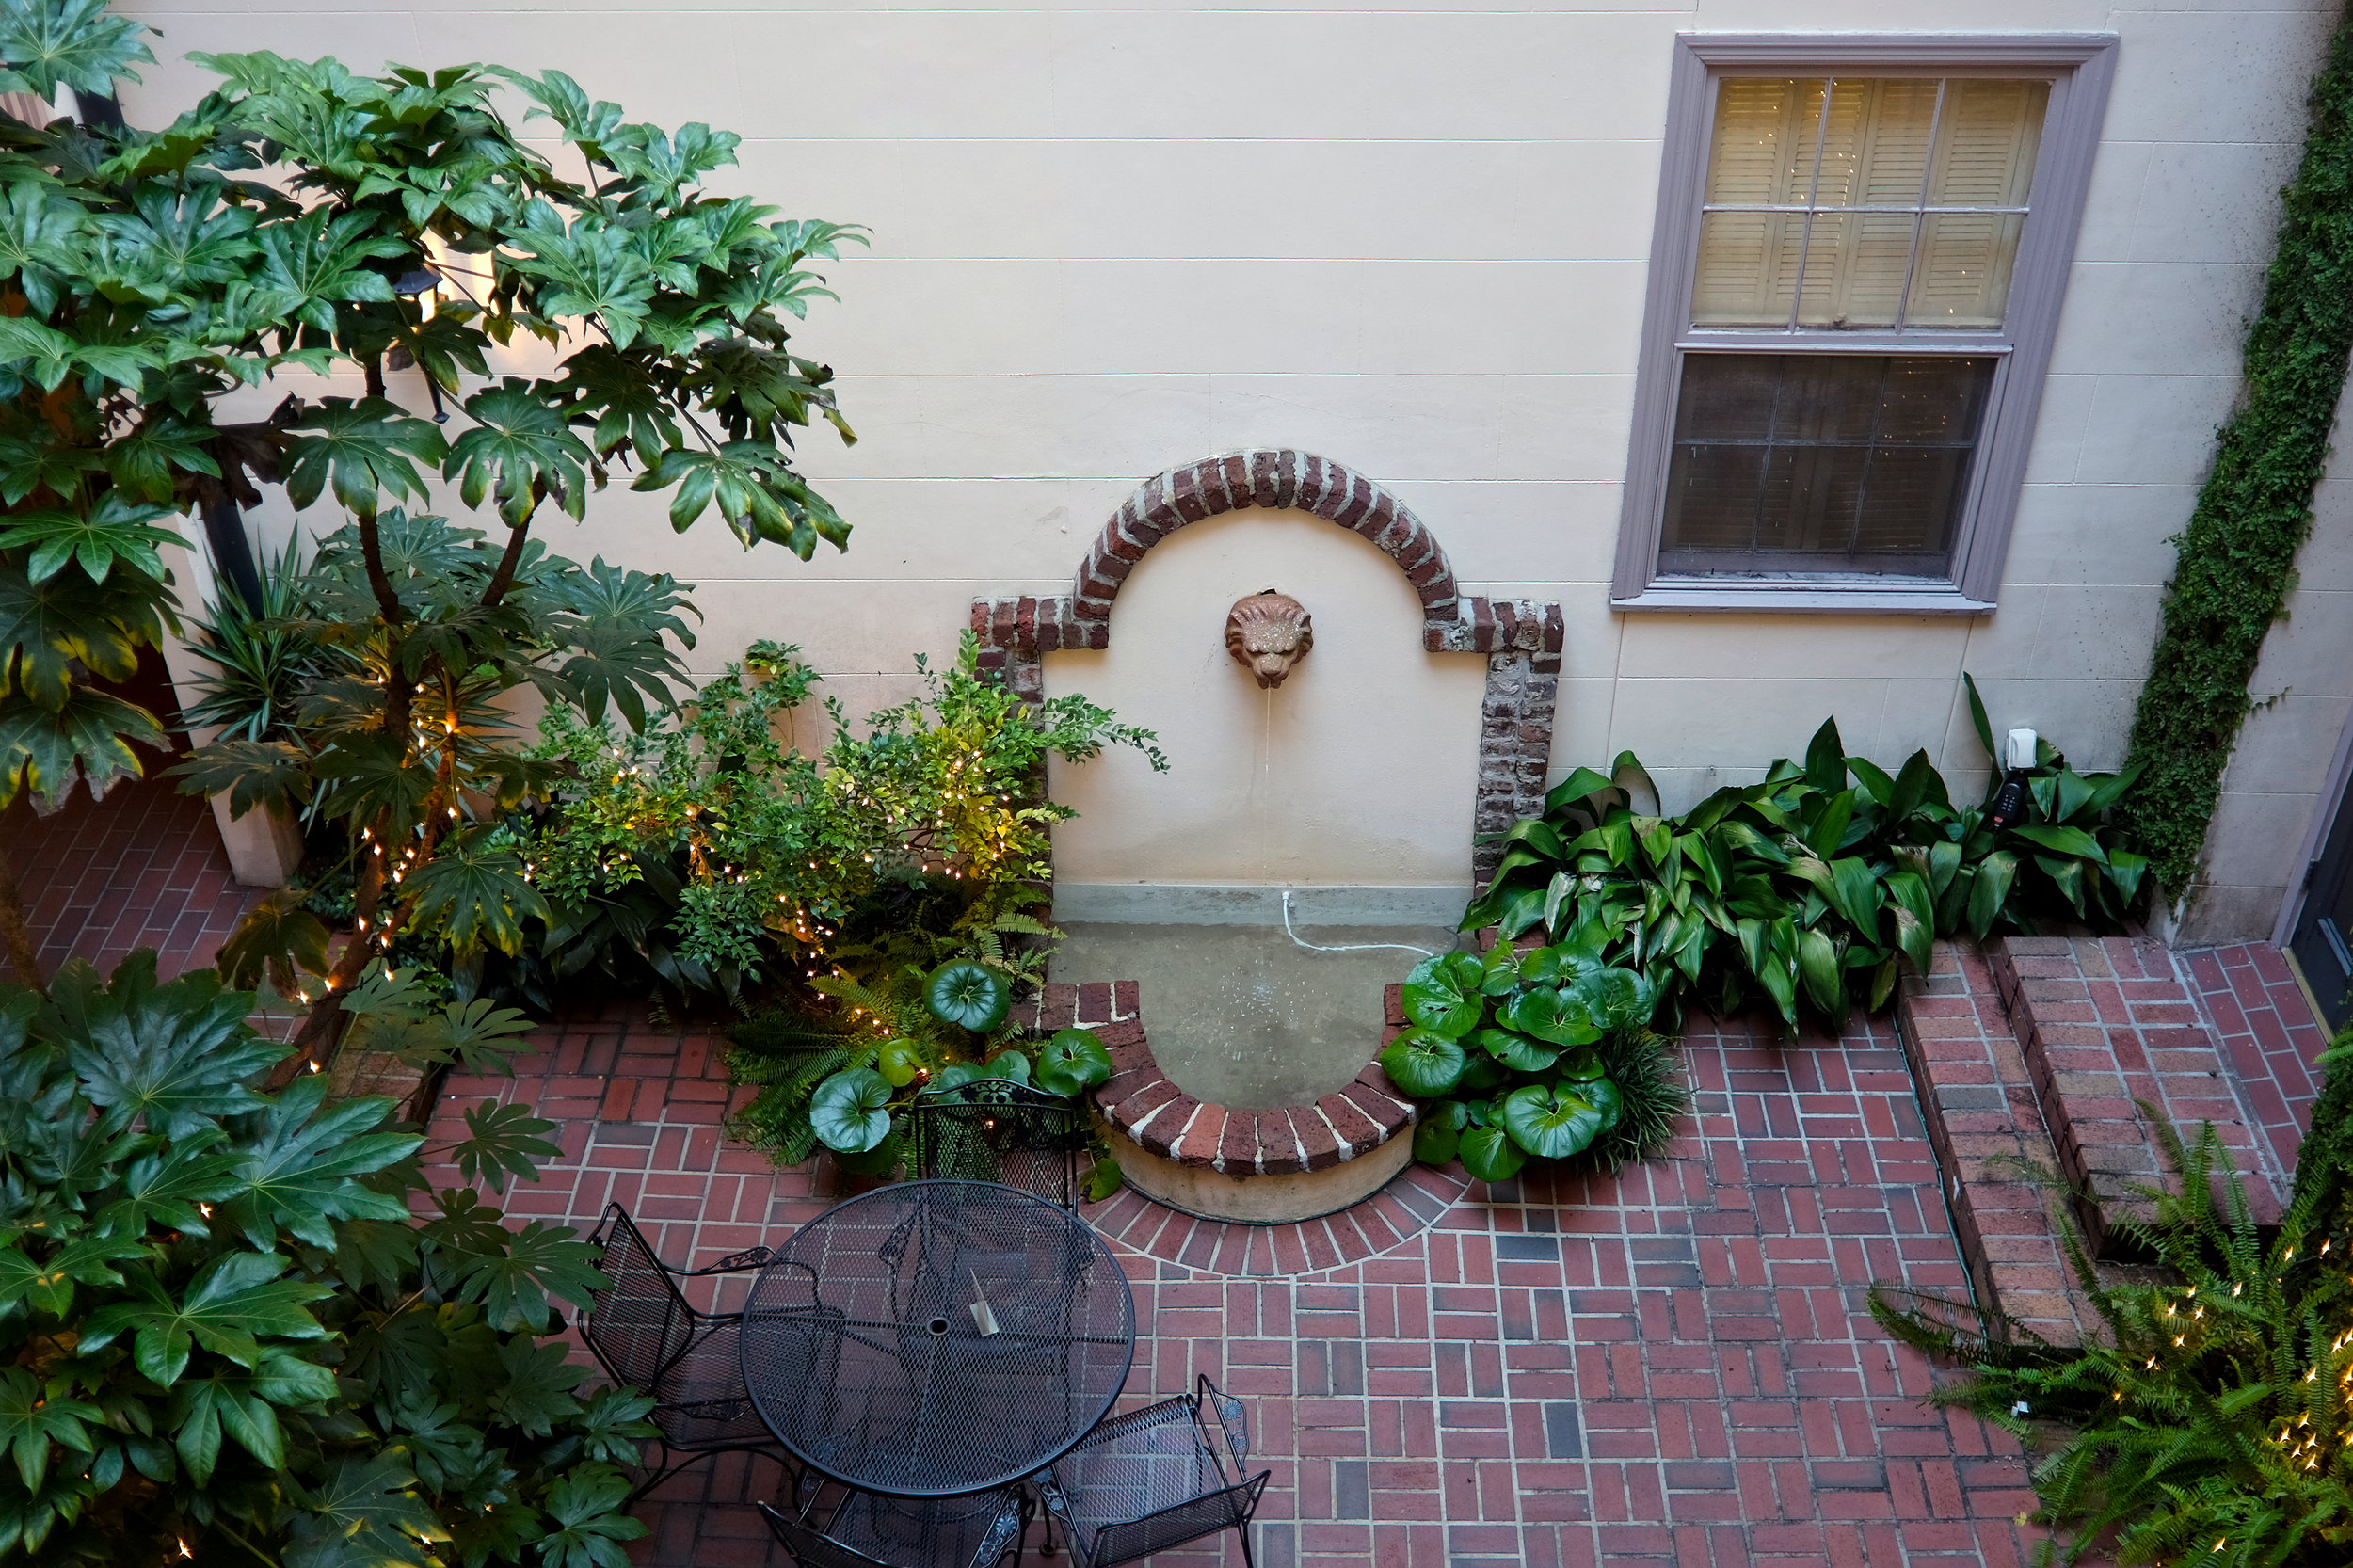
{"x": 1267, "y": 634}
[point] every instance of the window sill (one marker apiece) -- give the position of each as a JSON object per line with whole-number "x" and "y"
{"x": 1804, "y": 598}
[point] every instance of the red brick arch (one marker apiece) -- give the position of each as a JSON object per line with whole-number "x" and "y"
{"x": 1521, "y": 637}
{"x": 1275, "y": 481}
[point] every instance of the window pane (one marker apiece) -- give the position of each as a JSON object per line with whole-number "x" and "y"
{"x": 1820, "y": 463}
{"x": 1766, "y": 133}
{"x": 1781, "y": 245}
{"x": 1986, "y": 146}
{"x": 1748, "y": 269}
{"x": 1961, "y": 278}
{"x": 1855, "y": 266}
{"x": 1875, "y": 148}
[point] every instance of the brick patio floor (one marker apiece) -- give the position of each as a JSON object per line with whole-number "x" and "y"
{"x": 142, "y": 868}
{"x": 1672, "y": 1367}
{"x": 1675, "y": 1365}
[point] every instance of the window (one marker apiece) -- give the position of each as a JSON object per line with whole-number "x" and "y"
{"x": 1861, "y": 248}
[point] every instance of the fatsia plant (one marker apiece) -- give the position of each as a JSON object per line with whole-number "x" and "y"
{"x": 224, "y": 1337}
{"x": 301, "y": 219}
{"x": 1812, "y": 888}
{"x": 422, "y": 804}
{"x": 1545, "y": 1054}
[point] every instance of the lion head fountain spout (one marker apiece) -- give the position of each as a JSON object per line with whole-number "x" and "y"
{"x": 1268, "y": 633}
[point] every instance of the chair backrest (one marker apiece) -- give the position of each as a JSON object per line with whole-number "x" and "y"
{"x": 639, "y": 1323}
{"x": 810, "y": 1549}
{"x": 1227, "y": 1508}
{"x": 991, "y": 1130}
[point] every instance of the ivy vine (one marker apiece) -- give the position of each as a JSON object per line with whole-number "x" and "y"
{"x": 2236, "y": 559}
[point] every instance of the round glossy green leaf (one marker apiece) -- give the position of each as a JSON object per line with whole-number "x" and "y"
{"x": 1581, "y": 1065}
{"x": 1443, "y": 993}
{"x": 1562, "y": 963}
{"x": 1423, "y": 1063}
{"x": 1516, "y": 1050}
{"x": 1073, "y": 1061}
{"x": 969, "y": 995}
{"x": 851, "y": 1110}
{"x": 1489, "y": 1154}
{"x": 1010, "y": 1066}
{"x": 1558, "y": 1018}
{"x": 1482, "y": 1072}
{"x": 1434, "y": 1143}
{"x": 1606, "y": 1100}
{"x": 899, "y": 1062}
{"x": 1552, "y": 1121}
{"x": 956, "y": 1075}
{"x": 1620, "y": 999}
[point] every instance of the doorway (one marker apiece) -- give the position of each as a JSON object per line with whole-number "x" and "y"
{"x": 2322, "y": 941}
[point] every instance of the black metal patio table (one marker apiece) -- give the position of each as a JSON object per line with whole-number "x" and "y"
{"x": 936, "y": 1337}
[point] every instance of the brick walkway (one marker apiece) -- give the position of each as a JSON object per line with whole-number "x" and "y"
{"x": 142, "y": 868}
{"x": 1672, "y": 1367}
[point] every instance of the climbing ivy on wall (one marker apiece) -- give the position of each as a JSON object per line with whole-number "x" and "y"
{"x": 2237, "y": 557}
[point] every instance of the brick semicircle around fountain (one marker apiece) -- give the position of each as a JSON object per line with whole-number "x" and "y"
{"x": 1289, "y": 1146}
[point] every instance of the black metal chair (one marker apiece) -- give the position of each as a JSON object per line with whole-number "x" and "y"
{"x": 1156, "y": 1477}
{"x": 647, "y": 1336}
{"x": 992, "y": 1129}
{"x": 864, "y": 1529}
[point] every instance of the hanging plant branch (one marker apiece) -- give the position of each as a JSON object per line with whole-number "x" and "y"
{"x": 2237, "y": 557}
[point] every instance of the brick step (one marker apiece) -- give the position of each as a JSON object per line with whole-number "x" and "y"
{"x": 2108, "y": 1025}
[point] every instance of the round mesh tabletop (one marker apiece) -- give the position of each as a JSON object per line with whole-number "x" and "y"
{"x": 934, "y": 1337}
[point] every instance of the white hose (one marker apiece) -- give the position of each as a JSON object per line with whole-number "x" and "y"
{"x": 1351, "y": 947}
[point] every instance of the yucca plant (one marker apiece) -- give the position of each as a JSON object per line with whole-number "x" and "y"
{"x": 2211, "y": 1422}
{"x": 262, "y": 664}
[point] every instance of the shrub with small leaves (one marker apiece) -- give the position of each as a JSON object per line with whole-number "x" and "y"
{"x": 225, "y": 1337}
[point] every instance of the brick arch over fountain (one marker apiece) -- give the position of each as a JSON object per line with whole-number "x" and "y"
{"x": 1522, "y": 638}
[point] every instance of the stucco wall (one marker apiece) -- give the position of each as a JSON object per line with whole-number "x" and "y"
{"x": 1109, "y": 241}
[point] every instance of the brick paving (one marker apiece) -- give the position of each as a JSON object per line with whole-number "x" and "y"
{"x": 2268, "y": 1035}
{"x": 142, "y": 868}
{"x": 1673, "y": 1365}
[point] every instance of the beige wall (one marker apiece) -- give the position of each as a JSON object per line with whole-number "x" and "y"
{"x": 1113, "y": 240}
{"x": 1333, "y": 777}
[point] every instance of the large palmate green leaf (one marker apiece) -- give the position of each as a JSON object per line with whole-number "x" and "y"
{"x": 48, "y": 1286}
{"x": 172, "y": 1058}
{"x": 476, "y": 893}
{"x": 234, "y": 1302}
{"x": 1444, "y": 994}
{"x": 513, "y": 1274}
{"x": 585, "y": 1509}
{"x": 299, "y": 1167}
{"x": 116, "y": 529}
{"x": 38, "y": 1416}
{"x": 522, "y": 448}
{"x": 365, "y": 450}
{"x": 364, "y": 1514}
{"x": 86, "y": 740}
{"x": 501, "y": 1140}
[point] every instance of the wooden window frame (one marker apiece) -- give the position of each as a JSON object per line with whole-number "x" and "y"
{"x": 2080, "y": 66}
